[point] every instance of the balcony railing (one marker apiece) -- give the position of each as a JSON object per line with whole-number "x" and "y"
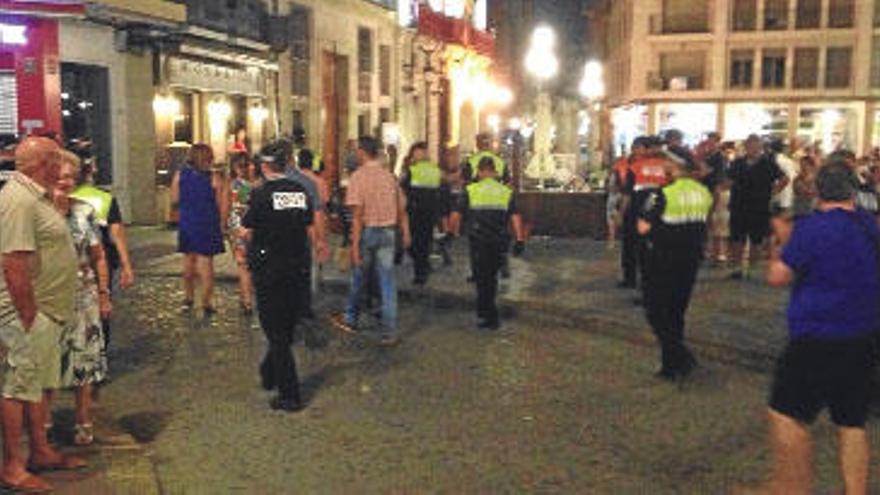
{"x": 457, "y": 31}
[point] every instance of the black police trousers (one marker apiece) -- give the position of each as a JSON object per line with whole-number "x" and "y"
{"x": 280, "y": 299}
{"x": 488, "y": 258}
{"x": 667, "y": 290}
{"x": 422, "y": 222}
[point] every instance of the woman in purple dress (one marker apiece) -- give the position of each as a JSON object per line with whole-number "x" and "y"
{"x": 199, "y": 195}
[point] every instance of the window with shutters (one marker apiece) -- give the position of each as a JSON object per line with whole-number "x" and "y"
{"x": 683, "y": 70}
{"x": 300, "y": 50}
{"x": 365, "y": 65}
{"x": 742, "y": 69}
{"x": 745, "y": 15}
{"x": 838, "y": 67}
{"x": 809, "y": 12}
{"x": 385, "y": 70}
{"x": 773, "y": 69}
{"x": 685, "y": 16}
{"x": 806, "y": 68}
{"x": 841, "y": 13}
{"x": 8, "y": 104}
{"x": 775, "y": 15}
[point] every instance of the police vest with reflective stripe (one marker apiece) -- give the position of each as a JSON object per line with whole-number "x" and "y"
{"x": 476, "y": 158}
{"x": 425, "y": 175}
{"x": 687, "y": 201}
{"x": 99, "y": 199}
{"x": 489, "y": 194}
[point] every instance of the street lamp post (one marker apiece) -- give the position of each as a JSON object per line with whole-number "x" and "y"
{"x": 542, "y": 64}
{"x": 592, "y": 88}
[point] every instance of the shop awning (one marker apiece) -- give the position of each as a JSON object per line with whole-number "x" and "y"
{"x": 43, "y": 8}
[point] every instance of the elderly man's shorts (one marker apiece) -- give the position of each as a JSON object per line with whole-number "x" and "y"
{"x": 32, "y": 360}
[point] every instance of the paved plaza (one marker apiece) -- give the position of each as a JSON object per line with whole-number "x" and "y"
{"x": 561, "y": 400}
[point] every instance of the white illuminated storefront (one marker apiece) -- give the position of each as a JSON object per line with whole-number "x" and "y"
{"x": 766, "y": 120}
{"x": 694, "y": 120}
{"x": 628, "y": 122}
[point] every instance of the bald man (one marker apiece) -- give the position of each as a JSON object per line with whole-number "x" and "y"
{"x": 39, "y": 271}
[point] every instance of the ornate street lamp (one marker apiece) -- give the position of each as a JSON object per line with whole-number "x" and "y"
{"x": 542, "y": 64}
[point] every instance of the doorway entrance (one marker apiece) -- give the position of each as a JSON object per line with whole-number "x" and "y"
{"x": 334, "y": 81}
{"x": 85, "y": 113}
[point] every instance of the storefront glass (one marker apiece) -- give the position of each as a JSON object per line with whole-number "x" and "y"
{"x": 830, "y": 127}
{"x": 694, "y": 120}
{"x": 628, "y": 123}
{"x": 743, "y": 119}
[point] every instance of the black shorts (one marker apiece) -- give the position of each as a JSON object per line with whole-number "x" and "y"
{"x": 812, "y": 374}
{"x": 749, "y": 225}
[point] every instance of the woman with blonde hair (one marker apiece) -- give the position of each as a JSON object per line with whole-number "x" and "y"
{"x": 199, "y": 194}
{"x": 83, "y": 358}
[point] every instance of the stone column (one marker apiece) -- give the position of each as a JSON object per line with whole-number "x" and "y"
{"x": 142, "y": 145}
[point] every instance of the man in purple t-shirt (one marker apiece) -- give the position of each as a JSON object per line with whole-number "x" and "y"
{"x": 832, "y": 259}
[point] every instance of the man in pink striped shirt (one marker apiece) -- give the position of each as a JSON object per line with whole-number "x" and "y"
{"x": 378, "y": 208}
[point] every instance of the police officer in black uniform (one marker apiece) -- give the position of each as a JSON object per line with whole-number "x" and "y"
{"x": 422, "y": 182}
{"x": 490, "y": 208}
{"x": 279, "y": 214}
{"x": 674, "y": 223}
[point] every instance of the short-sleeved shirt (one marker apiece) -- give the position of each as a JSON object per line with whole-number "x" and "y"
{"x": 279, "y": 214}
{"x": 489, "y": 225}
{"x": 753, "y": 183}
{"x": 309, "y": 185}
{"x": 837, "y": 285}
{"x": 30, "y": 223}
{"x": 681, "y": 231}
{"x": 716, "y": 164}
{"x": 375, "y": 190}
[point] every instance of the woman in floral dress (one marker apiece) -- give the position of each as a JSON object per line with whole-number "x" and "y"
{"x": 83, "y": 361}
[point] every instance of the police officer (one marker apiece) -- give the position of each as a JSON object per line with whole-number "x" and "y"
{"x": 422, "y": 182}
{"x": 674, "y": 223}
{"x": 277, "y": 221}
{"x": 299, "y": 145}
{"x": 490, "y": 208}
{"x": 109, "y": 220}
{"x": 646, "y": 175}
{"x": 484, "y": 150}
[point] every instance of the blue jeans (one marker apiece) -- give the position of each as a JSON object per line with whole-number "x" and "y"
{"x": 377, "y": 253}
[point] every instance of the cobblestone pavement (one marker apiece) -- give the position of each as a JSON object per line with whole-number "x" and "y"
{"x": 562, "y": 400}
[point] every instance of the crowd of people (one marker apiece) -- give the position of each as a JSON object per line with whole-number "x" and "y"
{"x": 814, "y": 220}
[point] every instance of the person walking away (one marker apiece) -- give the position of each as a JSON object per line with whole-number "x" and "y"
{"x": 276, "y": 222}
{"x": 756, "y": 178}
{"x": 422, "y": 182}
{"x": 378, "y": 210}
{"x": 83, "y": 358}
{"x": 318, "y": 229}
{"x": 199, "y": 194}
{"x": 647, "y": 174}
{"x": 112, "y": 228}
{"x": 490, "y": 209}
{"x": 36, "y": 302}
{"x": 674, "y": 221}
{"x": 240, "y": 188}
{"x": 832, "y": 325}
